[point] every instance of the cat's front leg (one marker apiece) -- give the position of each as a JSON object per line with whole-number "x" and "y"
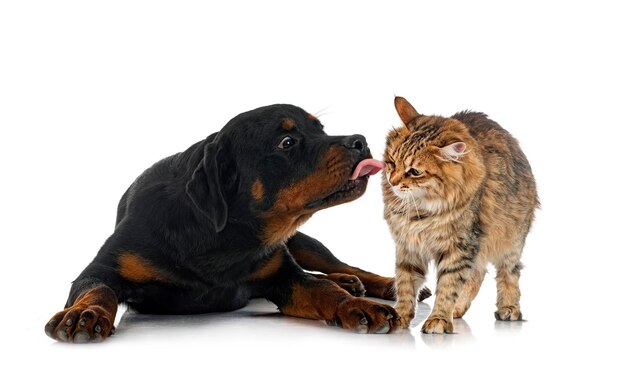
{"x": 410, "y": 275}
{"x": 453, "y": 270}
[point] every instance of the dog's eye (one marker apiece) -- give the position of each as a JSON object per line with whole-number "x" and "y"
{"x": 286, "y": 143}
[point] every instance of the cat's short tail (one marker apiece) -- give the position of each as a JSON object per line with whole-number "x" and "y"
{"x": 424, "y": 294}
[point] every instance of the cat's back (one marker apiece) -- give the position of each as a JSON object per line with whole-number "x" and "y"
{"x": 509, "y": 176}
{"x": 484, "y": 129}
{"x": 500, "y": 149}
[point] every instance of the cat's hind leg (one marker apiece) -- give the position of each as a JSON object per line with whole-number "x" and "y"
{"x": 508, "y": 271}
{"x": 472, "y": 286}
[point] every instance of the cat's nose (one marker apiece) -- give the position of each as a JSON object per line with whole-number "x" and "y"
{"x": 394, "y": 180}
{"x": 356, "y": 141}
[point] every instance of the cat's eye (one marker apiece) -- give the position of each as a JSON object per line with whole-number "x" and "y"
{"x": 415, "y": 172}
{"x": 286, "y": 143}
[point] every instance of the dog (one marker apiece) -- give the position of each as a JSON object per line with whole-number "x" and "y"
{"x": 210, "y": 228}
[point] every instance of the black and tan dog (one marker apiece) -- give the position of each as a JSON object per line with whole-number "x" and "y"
{"x": 207, "y": 229}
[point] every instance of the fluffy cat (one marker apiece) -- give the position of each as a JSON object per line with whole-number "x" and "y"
{"x": 461, "y": 193}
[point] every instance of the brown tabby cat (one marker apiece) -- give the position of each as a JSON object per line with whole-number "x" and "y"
{"x": 459, "y": 191}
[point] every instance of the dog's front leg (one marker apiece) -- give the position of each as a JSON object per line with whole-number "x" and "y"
{"x": 312, "y": 255}
{"x": 299, "y": 294}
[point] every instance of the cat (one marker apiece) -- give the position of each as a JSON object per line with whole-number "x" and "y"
{"x": 461, "y": 193}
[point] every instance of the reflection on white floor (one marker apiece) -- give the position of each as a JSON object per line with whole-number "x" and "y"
{"x": 257, "y": 345}
{"x": 261, "y": 317}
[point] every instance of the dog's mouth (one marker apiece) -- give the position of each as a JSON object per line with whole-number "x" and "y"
{"x": 354, "y": 187}
{"x": 367, "y": 167}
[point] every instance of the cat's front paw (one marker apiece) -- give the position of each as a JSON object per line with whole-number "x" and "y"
{"x": 508, "y": 313}
{"x": 406, "y": 315}
{"x": 434, "y": 325}
{"x": 459, "y": 311}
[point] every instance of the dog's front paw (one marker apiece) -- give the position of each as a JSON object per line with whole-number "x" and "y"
{"x": 379, "y": 286}
{"x": 365, "y": 316}
{"x": 435, "y": 325}
{"x": 80, "y": 325}
{"x": 350, "y": 283}
{"x": 90, "y": 318}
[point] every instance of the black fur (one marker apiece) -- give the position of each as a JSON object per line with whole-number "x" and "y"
{"x": 192, "y": 218}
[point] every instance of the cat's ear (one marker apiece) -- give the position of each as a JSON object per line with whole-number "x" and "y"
{"x": 406, "y": 111}
{"x": 454, "y": 151}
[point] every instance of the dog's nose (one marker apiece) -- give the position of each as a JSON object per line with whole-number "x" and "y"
{"x": 356, "y": 141}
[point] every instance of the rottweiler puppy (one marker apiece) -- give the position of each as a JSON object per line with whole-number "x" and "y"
{"x": 207, "y": 229}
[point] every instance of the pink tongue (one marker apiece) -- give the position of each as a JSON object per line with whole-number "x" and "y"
{"x": 367, "y": 167}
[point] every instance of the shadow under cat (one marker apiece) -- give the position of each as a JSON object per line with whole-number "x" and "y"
{"x": 462, "y": 331}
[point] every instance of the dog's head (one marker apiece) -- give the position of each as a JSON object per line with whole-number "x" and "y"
{"x": 278, "y": 164}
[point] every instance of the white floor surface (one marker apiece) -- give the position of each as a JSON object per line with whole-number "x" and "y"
{"x": 93, "y": 93}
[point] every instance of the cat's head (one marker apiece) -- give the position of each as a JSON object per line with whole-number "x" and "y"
{"x": 432, "y": 161}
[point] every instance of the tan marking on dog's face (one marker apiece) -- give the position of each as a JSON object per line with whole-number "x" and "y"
{"x": 258, "y": 190}
{"x": 287, "y": 124}
{"x": 323, "y": 180}
{"x": 137, "y": 269}
{"x": 289, "y": 210}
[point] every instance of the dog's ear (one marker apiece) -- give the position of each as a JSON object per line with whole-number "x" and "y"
{"x": 206, "y": 189}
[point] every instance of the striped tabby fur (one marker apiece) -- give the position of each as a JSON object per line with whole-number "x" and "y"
{"x": 459, "y": 192}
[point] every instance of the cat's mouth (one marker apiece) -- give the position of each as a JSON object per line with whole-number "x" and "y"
{"x": 353, "y": 188}
{"x": 414, "y": 193}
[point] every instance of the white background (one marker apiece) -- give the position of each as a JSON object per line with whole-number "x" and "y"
{"x": 92, "y": 93}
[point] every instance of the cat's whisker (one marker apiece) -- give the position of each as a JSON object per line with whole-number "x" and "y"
{"x": 404, "y": 207}
{"x": 415, "y": 205}
{"x": 456, "y": 159}
{"x": 408, "y": 215}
